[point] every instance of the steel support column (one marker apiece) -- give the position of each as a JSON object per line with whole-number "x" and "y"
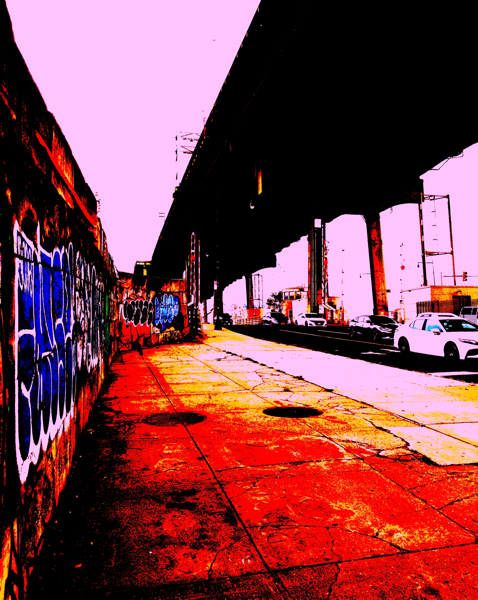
{"x": 315, "y": 264}
{"x": 377, "y": 267}
{"x": 193, "y": 286}
{"x": 218, "y": 305}
{"x": 194, "y": 274}
{"x": 249, "y": 292}
{"x": 324, "y": 270}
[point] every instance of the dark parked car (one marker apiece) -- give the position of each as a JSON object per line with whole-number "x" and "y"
{"x": 274, "y": 318}
{"x": 269, "y": 320}
{"x": 374, "y": 327}
{"x": 225, "y": 319}
{"x": 280, "y": 317}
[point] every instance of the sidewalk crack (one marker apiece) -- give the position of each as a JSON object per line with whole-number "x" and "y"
{"x": 456, "y": 501}
{"x": 334, "y": 582}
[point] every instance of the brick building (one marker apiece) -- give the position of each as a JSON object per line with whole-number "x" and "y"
{"x": 435, "y": 298}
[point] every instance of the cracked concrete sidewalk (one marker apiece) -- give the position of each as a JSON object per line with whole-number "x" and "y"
{"x": 183, "y": 487}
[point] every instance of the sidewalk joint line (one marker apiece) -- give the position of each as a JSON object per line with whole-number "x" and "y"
{"x": 277, "y": 581}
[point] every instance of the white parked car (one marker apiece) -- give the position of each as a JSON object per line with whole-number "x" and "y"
{"x": 310, "y": 320}
{"x": 438, "y": 334}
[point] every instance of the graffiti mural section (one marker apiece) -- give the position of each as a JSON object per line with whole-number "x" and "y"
{"x": 152, "y": 311}
{"x": 59, "y": 329}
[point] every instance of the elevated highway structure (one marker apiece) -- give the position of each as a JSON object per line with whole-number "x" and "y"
{"x": 330, "y": 111}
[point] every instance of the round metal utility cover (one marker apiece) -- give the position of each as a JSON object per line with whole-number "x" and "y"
{"x": 173, "y": 419}
{"x": 292, "y": 412}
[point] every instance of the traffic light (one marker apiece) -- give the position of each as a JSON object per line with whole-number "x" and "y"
{"x": 465, "y": 275}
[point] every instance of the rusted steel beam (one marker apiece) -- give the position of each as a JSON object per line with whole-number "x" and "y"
{"x": 377, "y": 267}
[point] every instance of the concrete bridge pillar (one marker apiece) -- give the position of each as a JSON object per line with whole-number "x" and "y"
{"x": 377, "y": 267}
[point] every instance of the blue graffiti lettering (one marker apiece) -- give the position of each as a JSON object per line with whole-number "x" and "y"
{"x": 58, "y": 329}
{"x": 166, "y": 310}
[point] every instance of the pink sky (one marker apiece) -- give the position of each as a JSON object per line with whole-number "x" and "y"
{"x": 121, "y": 78}
{"x": 121, "y": 81}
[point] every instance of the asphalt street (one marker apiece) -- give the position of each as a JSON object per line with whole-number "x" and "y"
{"x": 336, "y": 340}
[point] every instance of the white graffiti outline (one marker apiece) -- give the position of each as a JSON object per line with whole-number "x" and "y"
{"x": 54, "y": 370}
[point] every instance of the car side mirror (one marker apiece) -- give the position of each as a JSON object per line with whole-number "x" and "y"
{"x": 436, "y": 332}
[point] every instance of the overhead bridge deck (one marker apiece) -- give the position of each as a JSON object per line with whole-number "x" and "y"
{"x": 340, "y": 111}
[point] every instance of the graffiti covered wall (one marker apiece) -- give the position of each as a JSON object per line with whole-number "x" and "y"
{"x": 59, "y": 330}
{"x": 57, "y": 319}
{"x": 152, "y": 311}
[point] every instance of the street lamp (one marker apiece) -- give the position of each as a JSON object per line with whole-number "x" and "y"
{"x": 428, "y": 263}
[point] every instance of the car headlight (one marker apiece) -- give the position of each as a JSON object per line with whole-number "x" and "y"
{"x": 474, "y": 342}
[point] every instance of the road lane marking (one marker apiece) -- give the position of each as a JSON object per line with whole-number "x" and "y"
{"x": 453, "y": 373}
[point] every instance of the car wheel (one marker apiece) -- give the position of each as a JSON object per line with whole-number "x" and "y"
{"x": 404, "y": 346}
{"x": 451, "y": 353}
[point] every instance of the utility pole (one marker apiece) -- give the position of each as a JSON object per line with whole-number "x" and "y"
{"x": 425, "y": 253}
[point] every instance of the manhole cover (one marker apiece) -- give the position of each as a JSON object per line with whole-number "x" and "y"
{"x": 292, "y": 412}
{"x": 173, "y": 419}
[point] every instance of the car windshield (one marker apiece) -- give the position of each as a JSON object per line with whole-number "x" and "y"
{"x": 457, "y": 325}
{"x": 382, "y": 320}
{"x": 312, "y": 315}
